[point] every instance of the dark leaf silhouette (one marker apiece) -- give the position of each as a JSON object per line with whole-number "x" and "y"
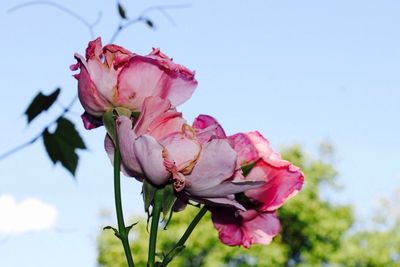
{"x": 62, "y": 144}
{"x": 149, "y": 23}
{"x": 121, "y": 11}
{"x": 41, "y": 103}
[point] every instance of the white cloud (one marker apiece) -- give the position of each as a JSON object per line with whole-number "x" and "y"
{"x": 29, "y": 215}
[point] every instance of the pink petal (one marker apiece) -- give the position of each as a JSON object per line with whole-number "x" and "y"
{"x": 92, "y": 101}
{"x": 228, "y": 188}
{"x": 94, "y": 49}
{"x": 167, "y": 124}
{"x": 265, "y": 151}
{"x": 250, "y": 227}
{"x": 104, "y": 78}
{"x": 280, "y": 184}
{"x": 182, "y": 151}
{"x": 126, "y": 138}
{"x": 150, "y": 157}
{"x": 225, "y": 202}
{"x": 158, "y": 118}
{"x": 109, "y": 147}
{"x": 261, "y": 229}
{"x": 216, "y": 163}
{"x": 116, "y": 56}
{"x": 227, "y": 223}
{"x": 90, "y": 122}
{"x": 145, "y": 76}
{"x": 247, "y": 152}
{"x": 207, "y": 128}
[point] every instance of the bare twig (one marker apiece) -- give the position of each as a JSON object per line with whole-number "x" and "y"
{"x": 143, "y": 18}
{"x": 90, "y": 26}
{"x": 122, "y": 26}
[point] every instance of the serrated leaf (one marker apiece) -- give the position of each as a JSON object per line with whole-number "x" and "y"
{"x": 66, "y": 130}
{"x": 40, "y": 103}
{"x": 61, "y": 144}
{"x": 121, "y": 11}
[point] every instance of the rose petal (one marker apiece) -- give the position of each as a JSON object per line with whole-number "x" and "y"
{"x": 126, "y": 138}
{"x": 158, "y": 118}
{"x": 247, "y": 152}
{"x": 280, "y": 184}
{"x": 207, "y": 128}
{"x": 90, "y": 122}
{"x": 150, "y": 157}
{"x": 260, "y": 230}
{"x": 216, "y": 163}
{"x": 109, "y": 147}
{"x": 145, "y": 76}
{"x": 182, "y": 151}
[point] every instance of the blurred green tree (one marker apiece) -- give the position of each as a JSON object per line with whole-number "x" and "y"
{"x": 315, "y": 232}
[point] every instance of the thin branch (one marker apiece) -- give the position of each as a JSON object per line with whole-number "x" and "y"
{"x": 122, "y": 26}
{"x": 162, "y": 9}
{"x": 143, "y": 17}
{"x": 63, "y": 9}
{"x": 37, "y": 137}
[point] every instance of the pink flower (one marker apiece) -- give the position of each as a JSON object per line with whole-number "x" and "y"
{"x": 112, "y": 76}
{"x": 256, "y": 161}
{"x": 245, "y": 228}
{"x": 282, "y": 179}
{"x": 162, "y": 148}
{"x": 143, "y": 142}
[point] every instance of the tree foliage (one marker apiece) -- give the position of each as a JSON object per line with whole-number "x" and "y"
{"x": 314, "y": 232}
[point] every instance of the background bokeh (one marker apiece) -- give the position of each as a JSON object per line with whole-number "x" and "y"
{"x": 305, "y": 72}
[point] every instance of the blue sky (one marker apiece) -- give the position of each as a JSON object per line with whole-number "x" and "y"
{"x": 298, "y": 71}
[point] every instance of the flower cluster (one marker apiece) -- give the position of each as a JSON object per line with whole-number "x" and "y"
{"x": 239, "y": 178}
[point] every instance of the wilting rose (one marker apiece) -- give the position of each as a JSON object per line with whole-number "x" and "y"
{"x": 256, "y": 161}
{"x": 142, "y": 142}
{"x": 162, "y": 148}
{"x": 112, "y": 76}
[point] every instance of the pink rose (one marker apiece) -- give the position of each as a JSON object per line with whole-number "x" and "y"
{"x": 162, "y": 148}
{"x": 256, "y": 161}
{"x": 112, "y": 76}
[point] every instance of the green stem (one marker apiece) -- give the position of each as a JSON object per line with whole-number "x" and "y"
{"x": 157, "y": 204}
{"x": 122, "y": 231}
{"x": 185, "y": 236}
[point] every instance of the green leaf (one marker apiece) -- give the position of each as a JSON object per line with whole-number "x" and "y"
{"x": 41, "y": 103}
{"x": 61, "y": 144}
{"x": 110, "y": 116}
{"x": 247, "y": 168}
{"x": 66, "y": 130}
{"x": 109, "y": 123}
{"x": 148, "y": 191}
{"x": 169, "y": 199}
{"x": 121, "y": 11}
